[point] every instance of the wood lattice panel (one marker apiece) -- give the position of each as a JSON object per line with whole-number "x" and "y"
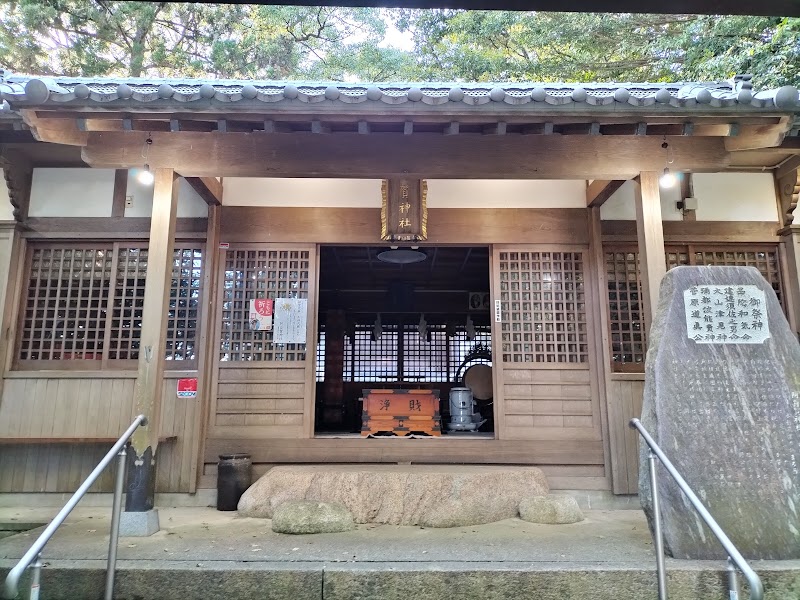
{"x": 184, "y": 303}
{"x": 65, "y": 305}
{"x": 626, "y": 319}
{"x": 72, "y": 314}
{"x": 543, "y": 307}
{"x": 127, "y": 310}
{"x": 622, "y": 276}
{"x": 253, "y": 274}
{"x": 676, "y": 257}
{"x": 763, "y": 259}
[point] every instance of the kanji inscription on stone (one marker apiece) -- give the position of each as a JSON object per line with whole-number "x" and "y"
{"x": 726, "y": 314}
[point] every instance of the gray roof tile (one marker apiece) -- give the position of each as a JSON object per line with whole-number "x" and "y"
{"x": 22, "y": 91}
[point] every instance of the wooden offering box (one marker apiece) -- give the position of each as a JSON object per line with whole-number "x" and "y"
{"x": 401, "y": 412}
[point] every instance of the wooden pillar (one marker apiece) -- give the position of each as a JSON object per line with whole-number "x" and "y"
{"x": 650, "y": 232}
{"x": 787, "y": 185}
{"x": 333, "y": 396}
{"x": 149, "y": 378}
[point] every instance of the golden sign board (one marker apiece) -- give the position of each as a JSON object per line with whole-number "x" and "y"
{"x": 404, "y": 212}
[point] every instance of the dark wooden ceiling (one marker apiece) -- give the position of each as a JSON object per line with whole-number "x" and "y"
{"x": 446, "y": 268}
{"x": 786, "y": 8}
{"x": 354, "y": 280}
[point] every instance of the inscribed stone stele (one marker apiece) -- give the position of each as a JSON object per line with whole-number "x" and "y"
{"x": 722, "y": 399}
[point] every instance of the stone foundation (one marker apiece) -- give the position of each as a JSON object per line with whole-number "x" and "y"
{"x": 431, "y": 496}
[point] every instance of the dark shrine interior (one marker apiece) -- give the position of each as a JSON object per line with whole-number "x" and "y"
{"x": 407, "y": 325}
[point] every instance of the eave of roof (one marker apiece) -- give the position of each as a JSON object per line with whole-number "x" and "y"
{"x": 737, "y": 95}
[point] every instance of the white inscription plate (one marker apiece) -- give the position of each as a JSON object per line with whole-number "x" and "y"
{"x": 726, "y": 314}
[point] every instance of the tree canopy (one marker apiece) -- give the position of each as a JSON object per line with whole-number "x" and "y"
{"x": 165, "y": 39}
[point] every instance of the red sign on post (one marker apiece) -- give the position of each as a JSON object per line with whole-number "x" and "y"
{"x": 187, "y": 388}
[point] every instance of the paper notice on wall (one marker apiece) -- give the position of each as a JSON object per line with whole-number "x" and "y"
{"x": 260, "y": 318}
{"x": 290, "y": 321}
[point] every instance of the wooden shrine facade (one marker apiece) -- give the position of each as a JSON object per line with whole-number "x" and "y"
{"x": 564, "y": 385}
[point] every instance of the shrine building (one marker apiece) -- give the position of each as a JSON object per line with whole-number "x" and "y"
{"x": 243, "y": 261}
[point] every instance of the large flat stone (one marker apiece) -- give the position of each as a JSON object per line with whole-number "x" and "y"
{"x": 726, "y": 413}
{"x": 303, "y": 516}
{"x": 433, "y": 496}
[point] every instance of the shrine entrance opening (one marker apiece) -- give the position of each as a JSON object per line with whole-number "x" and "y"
{"x": 402, "y": 319}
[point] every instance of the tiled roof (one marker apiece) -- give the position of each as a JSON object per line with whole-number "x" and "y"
{"x": 22, "y": 91}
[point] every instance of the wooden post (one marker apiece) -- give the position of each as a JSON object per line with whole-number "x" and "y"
{"x": 790, "y": 239}
{"x": 333, "y": 408}
{"x": 787, "y": 187}
{"x": 650, "y": 232}
{"x": 149, "y": 379}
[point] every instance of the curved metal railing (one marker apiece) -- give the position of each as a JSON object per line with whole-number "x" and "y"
{"x": 734, "y": 556}
{"x": 34, "y": 555}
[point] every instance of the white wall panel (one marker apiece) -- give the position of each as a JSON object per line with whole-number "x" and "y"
{"x": 190, "y": 204}
{"x": 6, "y": 210}
{"x": 735, "y": 197}
{"x": 358, "y": 193}
{"x": 71, "y": 193}
{"x": 506, "y": 193}
{"x": 720, "y": 197}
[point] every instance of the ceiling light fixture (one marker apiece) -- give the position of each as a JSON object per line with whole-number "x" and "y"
{"x": 402, "y": 256}
{"x": 146, "y": 176}
{"x": 667, "y": 179}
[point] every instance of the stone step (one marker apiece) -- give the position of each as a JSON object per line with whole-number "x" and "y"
{"x": 229, "y": 580}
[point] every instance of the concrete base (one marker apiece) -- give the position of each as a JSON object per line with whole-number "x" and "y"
{"x": 138, "y": 524}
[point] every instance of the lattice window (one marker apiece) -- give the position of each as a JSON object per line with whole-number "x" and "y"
{"x": 65, "y": 305}
{"x": 628, "y": 350}
{"x": 371, "y": 359}
{"x": 424, "y": 358}
{"x": 253, "y": 274}
{"x": 677, "y": 257}
{"x": 460, "y": 345}
{"x": 626, "y": 319}
{"x": 412, "y": 358}
{"x": 128, "y": 306}
{"x": 543, "y": 307}
{"x": 764, "y": 259}
{"x": 184, "y": 303}
{"x": 321, "y": 355}
{"x": 73, "y": 314}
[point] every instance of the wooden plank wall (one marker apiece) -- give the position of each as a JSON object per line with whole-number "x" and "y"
{"x": 89, "y": 406}
{"x": 627, "y": 392}
{"x": 267, "y": 397}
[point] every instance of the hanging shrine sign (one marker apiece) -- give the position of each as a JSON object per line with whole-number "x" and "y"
{"x": 404, "y": 212}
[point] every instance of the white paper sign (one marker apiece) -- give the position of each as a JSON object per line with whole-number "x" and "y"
{"x": 726, "y": 314}
{"x": 290, "y": 321}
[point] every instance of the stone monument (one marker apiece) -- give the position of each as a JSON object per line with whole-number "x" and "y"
{"x": 722, "y": 399}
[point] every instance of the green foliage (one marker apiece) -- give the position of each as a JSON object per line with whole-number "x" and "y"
{"x": 515, "y": 46}
{"x": 164, "y": 39}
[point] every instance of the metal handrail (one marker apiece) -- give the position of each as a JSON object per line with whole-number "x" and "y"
{"x": 734, "y": 556}
{"x": 34, "y": 554}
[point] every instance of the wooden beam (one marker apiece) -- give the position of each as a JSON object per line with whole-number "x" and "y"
{"x": 63, "y": 131}
{"x": 752, "y": 137}
{"x": 18, "y": 173}
{"x": 786, "y": 167}
{"x": 388, "y": 155}
{"x": 601, "y": 190}
{"x": 120, "y": 191}
{"x": 452, "y": 128}
{"x": 650, "y": 233}
{"x": 498, "y": 128}
{"x": 363, "y": 127}
{"x": 208, "y": 188}
{"x": 148, "y": 388}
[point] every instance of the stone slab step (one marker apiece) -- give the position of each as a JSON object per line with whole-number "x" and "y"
{"x": 236, "y": 580}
